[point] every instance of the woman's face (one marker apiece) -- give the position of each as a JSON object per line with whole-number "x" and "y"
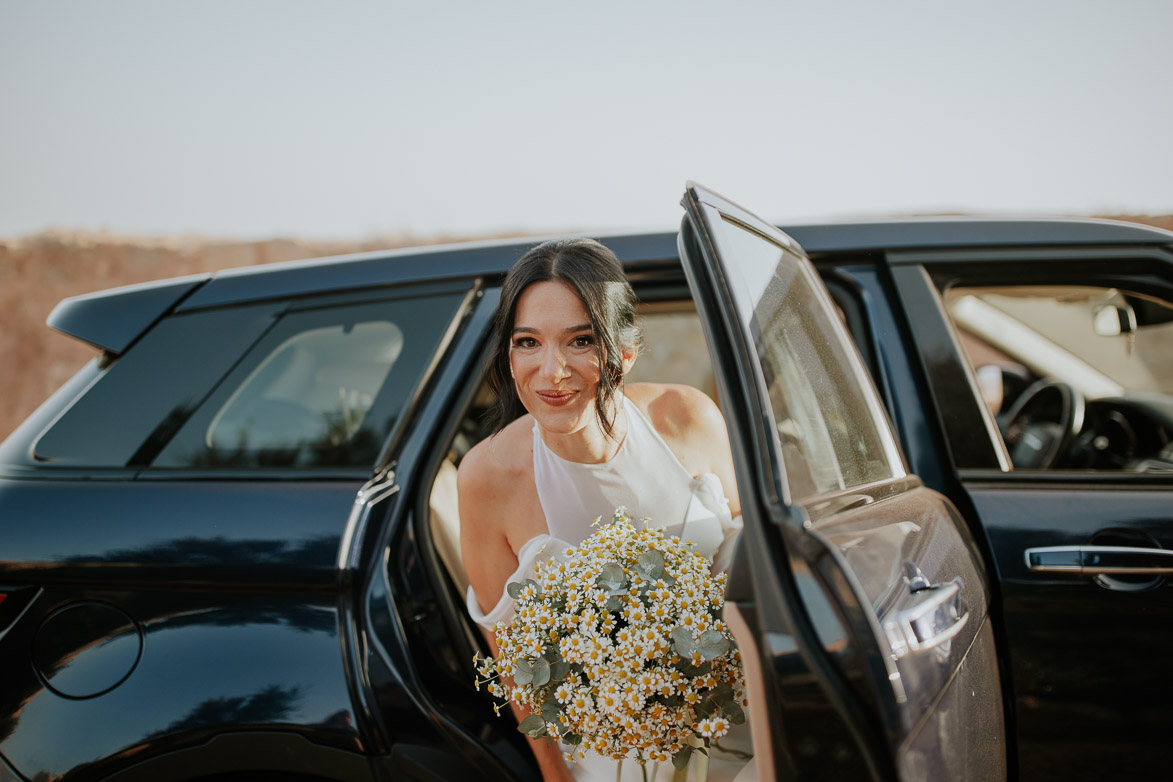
{"x": 553, "y": 357}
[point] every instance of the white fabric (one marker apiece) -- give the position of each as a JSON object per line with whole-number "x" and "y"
{"x": 647, "y": 479}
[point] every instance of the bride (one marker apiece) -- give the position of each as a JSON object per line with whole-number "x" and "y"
{"x": 571, "y": 442}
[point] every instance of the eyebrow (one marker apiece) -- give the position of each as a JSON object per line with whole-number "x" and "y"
{"x": 571, "y": 330}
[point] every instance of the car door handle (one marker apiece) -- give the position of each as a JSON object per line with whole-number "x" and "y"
{"x": 934, "y": 616}
{"x": 1099, "y": 560}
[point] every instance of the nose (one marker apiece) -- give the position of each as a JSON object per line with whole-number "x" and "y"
{"x": 554, "y": 365}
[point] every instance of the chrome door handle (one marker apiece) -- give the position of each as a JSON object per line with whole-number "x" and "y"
{"x": 1100, "y": 560}
{"x": 936, "y": 615}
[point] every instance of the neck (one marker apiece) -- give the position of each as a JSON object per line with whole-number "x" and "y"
{"x": 590, "y": 445}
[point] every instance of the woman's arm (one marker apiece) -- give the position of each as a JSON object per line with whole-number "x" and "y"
{"x": 487, "y": 497}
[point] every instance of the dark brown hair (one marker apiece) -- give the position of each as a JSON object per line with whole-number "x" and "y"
{"x": 596, "y": 275}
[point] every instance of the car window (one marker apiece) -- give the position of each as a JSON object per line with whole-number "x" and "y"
{"x": 1109, "y": 350}
{"x": 829, "y": 424}
{"x": 160, "y": 380}
{"x": 323, "y": 389}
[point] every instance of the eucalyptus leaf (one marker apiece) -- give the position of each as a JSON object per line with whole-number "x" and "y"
{"x": 734, "y": 712}
{"x": 722, "y": 695}
{"x": 551, "y": 709}
{"x": 533, "y": 726}
{"x": 559, "y": 670}
{"x": 651, "y": 565}
{"x": 523, "y": 672}
{"x": 612, "y": 577}
{"x": 514, "y": 589}
{"x": 712, "y": 645}
{"x": 705, "y": 708}
{"x": 552, "y": 654}
{"x": 682, "y": 641}
{"x": 614, "y": 603}
{"x": 688, "y": 669}
{"x": 573, "y": 739}
{"x": 681, "y": 758}
{"x": 541, "y": 670}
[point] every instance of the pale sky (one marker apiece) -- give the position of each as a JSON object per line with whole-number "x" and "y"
{"x": 251, "y": 118}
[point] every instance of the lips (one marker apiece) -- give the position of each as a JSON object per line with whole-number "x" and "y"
{"x": 556, "y": 398}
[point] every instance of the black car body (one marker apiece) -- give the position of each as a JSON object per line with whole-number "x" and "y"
{"x": 202, "y": 580}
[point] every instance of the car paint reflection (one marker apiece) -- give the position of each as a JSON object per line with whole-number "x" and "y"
{"x": 269, "y": 666}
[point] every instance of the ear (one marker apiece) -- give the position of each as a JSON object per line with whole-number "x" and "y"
{"x": 629, "y": 356}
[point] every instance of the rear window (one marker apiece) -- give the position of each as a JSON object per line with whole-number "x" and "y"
{"x": 324, "y": 388}
{"x": 274, "y": 385}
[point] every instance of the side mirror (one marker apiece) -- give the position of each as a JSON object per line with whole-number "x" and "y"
{"x": 1112, "y": 320}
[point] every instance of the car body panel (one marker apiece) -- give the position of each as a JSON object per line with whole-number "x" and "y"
{"x": 289, "y": 612}
{"x": 858, "y": 547}
{"x": 1083, "y": 650}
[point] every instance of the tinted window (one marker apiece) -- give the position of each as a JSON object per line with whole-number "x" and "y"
{"x": 830, "y": 427}
{"x": 158, "y": 382}
{"x": 323, "y": 389}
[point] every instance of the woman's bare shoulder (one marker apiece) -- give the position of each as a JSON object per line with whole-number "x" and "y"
{"x": 498, "y": 459}
{"x": 676, "y": 409}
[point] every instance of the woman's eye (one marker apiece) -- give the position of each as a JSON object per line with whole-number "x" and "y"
{"x": 524, "y": 342}
{"x": 583, "y": 341}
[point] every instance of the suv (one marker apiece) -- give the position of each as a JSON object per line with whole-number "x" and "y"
{"x": 229, "y": 543}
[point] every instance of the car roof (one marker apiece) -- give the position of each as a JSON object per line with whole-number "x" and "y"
{"x": 112, "y": 319}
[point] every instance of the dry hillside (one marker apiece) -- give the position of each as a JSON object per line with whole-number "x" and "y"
{"x": 37, "y": 272}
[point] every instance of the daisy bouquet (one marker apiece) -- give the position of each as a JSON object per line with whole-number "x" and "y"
{"x": 618, "y": 646}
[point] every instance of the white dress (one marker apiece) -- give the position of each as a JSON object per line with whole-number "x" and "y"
{"x": 648, "y": 480}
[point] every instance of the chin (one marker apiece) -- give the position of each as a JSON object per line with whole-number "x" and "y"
{"x": 559, "y": 420}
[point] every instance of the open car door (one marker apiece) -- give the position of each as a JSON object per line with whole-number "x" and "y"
{"x": 857, "y": 597}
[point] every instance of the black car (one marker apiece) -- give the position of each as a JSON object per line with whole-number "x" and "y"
{"x": 228, "y": 545}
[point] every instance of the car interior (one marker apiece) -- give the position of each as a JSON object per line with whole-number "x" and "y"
{"x": 1077, "y": 377}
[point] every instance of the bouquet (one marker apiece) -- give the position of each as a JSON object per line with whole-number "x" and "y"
{"x": 618, "y": 646}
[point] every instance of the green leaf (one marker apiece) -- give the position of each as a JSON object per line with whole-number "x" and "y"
{"x": 552, "y": 654}
{"x": 573, "y": 739}
{"x": 681, "y": 758}
{"x": 551, "y": 708}
{"x": 734, "y": 712}
{"x": 682, "y": 641}
{"x": 651, "y": 565}
{"x": 712, "y": 645}
{"x": 559, "y": 670}
{"x": 611, "y": 577}
{"x": 722, "y": 695}
{"x": 704, "y": 708}
{"x": 523, "y": 672}
{"x": 541, "y": 670}
{"x": 514, "y": 589}
{"x": 533, "y": 726}
{"x": 614, "y": 603}
{"x": 688, "y": 669}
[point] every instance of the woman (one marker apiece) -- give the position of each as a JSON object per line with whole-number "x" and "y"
{"x": 572, "y": 443}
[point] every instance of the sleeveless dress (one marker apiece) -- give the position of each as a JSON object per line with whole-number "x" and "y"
{"x": 646, "y": 478}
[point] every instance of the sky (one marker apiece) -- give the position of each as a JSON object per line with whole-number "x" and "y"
{"x": 350, "y": 119}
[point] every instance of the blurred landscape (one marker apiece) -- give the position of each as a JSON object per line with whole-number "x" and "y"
{"x": 37, "y": 272}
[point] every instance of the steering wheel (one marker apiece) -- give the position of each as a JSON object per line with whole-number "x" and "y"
{"x": 1042, "y": 424}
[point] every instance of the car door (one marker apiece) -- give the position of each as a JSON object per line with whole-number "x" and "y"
{"x": 1081, "y": 553}
{"x": 858, "y": 598}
